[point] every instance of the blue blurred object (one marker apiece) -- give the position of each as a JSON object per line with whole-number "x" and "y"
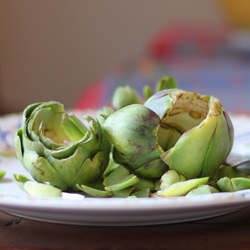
{"x": 228, "y": 80}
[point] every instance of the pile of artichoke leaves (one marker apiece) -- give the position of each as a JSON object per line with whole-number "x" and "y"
{"x": 170, "y": 143}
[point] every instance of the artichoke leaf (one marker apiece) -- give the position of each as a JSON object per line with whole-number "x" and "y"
{"x": 227, "y": 184}
{"x": 182, "y": 188}
{"x": 142, "y": 193}
{"x": 91, "y": 169}
{"x": 2, "y": 174}
{"x": 202, "y": 189}
{"x": 119, "y": 179}
{"x": 124, "y": 96}
{"x": 93, "y": 192}
{"x": 35, "y": 189}
{"x": 123, "y": 193}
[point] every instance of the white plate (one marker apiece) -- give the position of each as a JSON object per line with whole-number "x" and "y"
{"x": 75, "y": 209}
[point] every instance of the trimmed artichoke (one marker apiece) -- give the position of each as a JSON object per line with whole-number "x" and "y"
{"x": 195, "y": 132}
{"x": 59, "y": 148}
{"x": 185, "y": 131}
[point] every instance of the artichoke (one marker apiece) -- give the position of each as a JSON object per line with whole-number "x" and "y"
{"x": 124, "y": 96}
{"x": 59, "y": 148}
{"x": 185, "y": 131}
{"x": 195, "y": 131}
{"x": 133, "y": 132}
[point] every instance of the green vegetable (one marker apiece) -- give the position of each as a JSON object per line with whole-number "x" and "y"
{"x": 202, "y": 189}
{"x": 229, "y": 171}
{"x": 35, "y": 189}
{"x": 169, "y": 178}
{"x": 104, "y": 113}
{"x": 174, "y": 144}
{"x": 2, "y": 173}
{"x": 132, "y": 131}
{"x": 227, "y": 184}
{"x": 182, "y": 187}
{"x": 93, "y": 191}
{"x": 59, "y": 148}
{"x": 20, "y": 180}
{"x": 187, "y": 132}
{"x": 196, "y": 134}
{"x": 166, "y": 82}
{"x": 124, "y": 96}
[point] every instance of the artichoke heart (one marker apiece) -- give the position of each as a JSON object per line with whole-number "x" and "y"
{"x": 59, "y": 148}
{"x": 195, "y": 132}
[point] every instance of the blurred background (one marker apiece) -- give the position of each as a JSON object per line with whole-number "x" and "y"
{"x": 77, "y": 52}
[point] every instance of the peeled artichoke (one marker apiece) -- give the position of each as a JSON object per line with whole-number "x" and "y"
{"x": 59, "y": 148}
{"x": 195, "y": 131}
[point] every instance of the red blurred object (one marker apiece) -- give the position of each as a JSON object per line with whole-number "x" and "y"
{"x": 180, "y": 40}
{"x": 91, "y": 96}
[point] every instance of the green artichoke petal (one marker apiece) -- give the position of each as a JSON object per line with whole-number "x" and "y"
{"x": 169, "y": 178}
{"x": 91, "y": 169}
{"x": 228, "y": 171}
{"x": 161, "y": 101}
{"x": 50, "y": 114}
{"x": 119, "y": 179}
{"x": 144, "y": 161}
{"x": 42, "y": 171}
{"x": 72, "y": 130}
{"x": 142, "y": 193}
{"x": 188, "y": 155}
{"x": 182, "y": 188}
{"x": 152, "y": 169}
{"x": 230, "y": 130}
{"x": 103, "y": 114}
{"x": 240, "y": 183}
{"x": 166, "y": 82}
{"x": 59, "y": 153}
{"x": 111, "y": 167}
{"x": 126, "y": 182}
{"x": 35, "y": 189}
{"x": 225, "y": 184}
{"x": 2, "y": 173}
{"x": 123, "y": 193}
{"x": 46, "y": 141}
{"x": 20, "y": 180}
{"x": 202, "y": 189}
{"x": 18, "y": 145}
{"x": 147, "y": 92}
{"x": 93, "y": 191}
{"x": 124, "y": 96}
{"x": 27, "y": 112}
{"x": 219, "y": 146}
{"x": 144, "y": 184}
